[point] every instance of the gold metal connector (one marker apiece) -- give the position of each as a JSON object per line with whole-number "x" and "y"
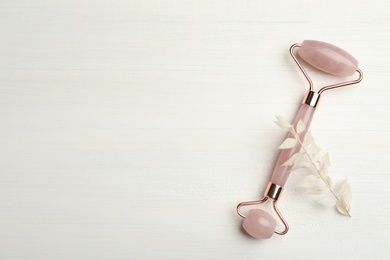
{"x": 273, "y": 191}
{"x": 311, "y": 98}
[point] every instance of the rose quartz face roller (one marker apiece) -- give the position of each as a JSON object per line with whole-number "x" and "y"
{"x": 327, "y": 58}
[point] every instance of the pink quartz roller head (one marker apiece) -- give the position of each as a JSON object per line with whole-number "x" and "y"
{"x": 329, "y": 59}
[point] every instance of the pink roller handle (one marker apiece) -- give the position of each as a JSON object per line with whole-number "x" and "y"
{"x": 281, "y": 173}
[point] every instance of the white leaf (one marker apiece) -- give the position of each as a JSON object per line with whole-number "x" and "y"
{"x": 309, "y": 181}
{"x": 345, "y": 192}
{"x": 283, "y": 126}
{"x": 315, "y": 190}
{"x": 343, "y": 207}
{"x": 315, "y": 156}
{"x": 328, "y": 202}
{"x": 348, "y": 199}
{"x": 323, "y": 173}
{"x": 291, "y": 160}
{"x": 324, "y": 162}
{"x": 288, "y": 143}
{"x": 308, "y": 139}
{"x": 345, "y": 188}
{"x": 345, "y": 198}
{"x": 328, "y": 181}
{"x": 300, "y": 127}
{"x": 283, "y": 123}
{"x": 299, "y": 165}
{"x": 314, "y": 152}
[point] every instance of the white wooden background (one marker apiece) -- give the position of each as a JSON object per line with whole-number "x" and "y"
{"x": 131, "y": 129}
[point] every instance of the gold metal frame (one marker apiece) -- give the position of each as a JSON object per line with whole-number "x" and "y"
{"x": 328, "y": 87}
{"x": 273, "y": 191}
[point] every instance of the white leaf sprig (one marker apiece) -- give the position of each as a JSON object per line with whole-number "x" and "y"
{"x": 309, "y": 156}
{"x": 288, "y": 143}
